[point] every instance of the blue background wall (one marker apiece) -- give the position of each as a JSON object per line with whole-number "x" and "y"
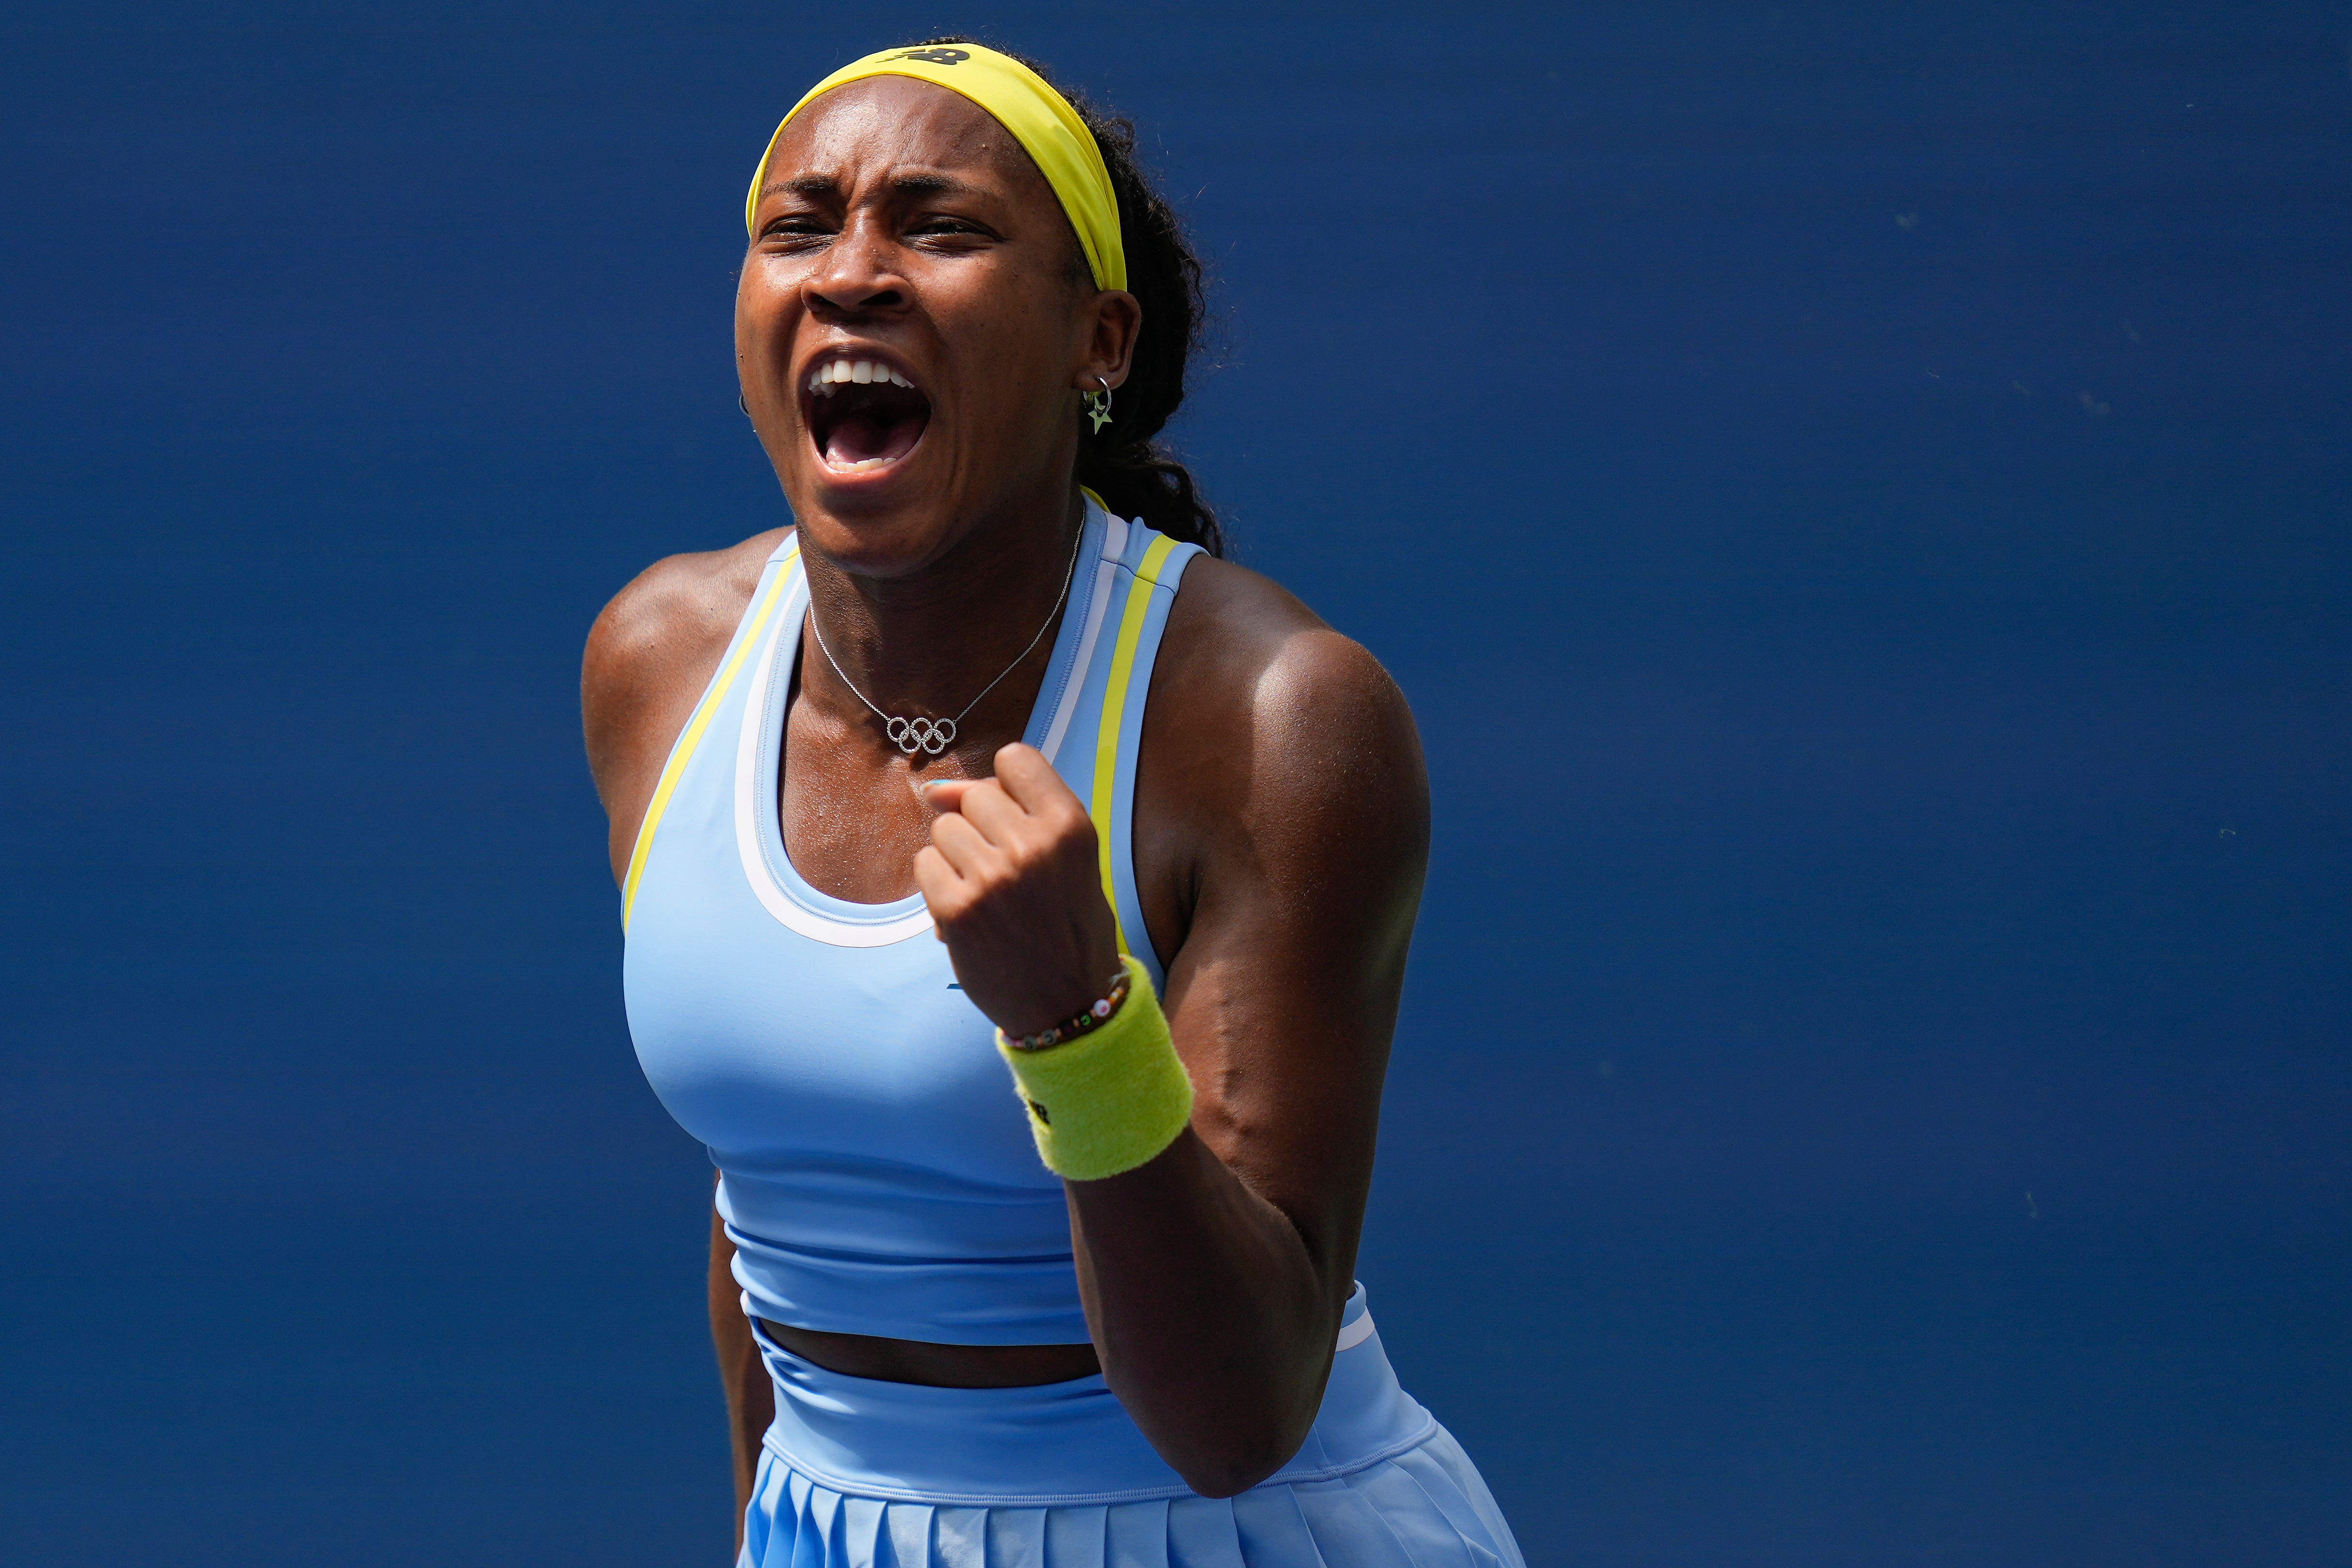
{"x": 1857, "y": 496}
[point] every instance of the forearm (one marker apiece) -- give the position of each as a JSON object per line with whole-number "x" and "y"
{"x": 1212, "y": 1301}
{"x": 751, "y": 1397}
{"x": 1213, "y": 1320}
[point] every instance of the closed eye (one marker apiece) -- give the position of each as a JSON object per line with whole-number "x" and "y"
{"x": 940, "y": 225}
{"x": 797, "y": 226}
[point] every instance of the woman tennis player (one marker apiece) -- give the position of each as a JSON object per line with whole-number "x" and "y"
{"x": 992, "y": 764}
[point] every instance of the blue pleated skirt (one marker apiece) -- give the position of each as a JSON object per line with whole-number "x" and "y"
{"x": 863, "y": 1474}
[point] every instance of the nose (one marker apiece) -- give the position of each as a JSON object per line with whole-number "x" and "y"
{"x": 859, "y": 275}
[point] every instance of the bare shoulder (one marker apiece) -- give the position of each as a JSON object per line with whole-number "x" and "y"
{"x": 1281, "y": 839}
{"x": 1277, "y": 750}
{"x": 669, "y": 615}
{"x": 1257, "y": 667}
{"x": 650, "y": 654}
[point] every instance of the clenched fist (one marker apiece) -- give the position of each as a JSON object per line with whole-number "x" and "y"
{"x": 1012, "y": 879}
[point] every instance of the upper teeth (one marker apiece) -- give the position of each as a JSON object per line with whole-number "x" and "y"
{"x": 832, "y": 372}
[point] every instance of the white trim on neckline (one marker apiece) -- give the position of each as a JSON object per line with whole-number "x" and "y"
{"x": 773, "y": 896}
{"x": 1114, "y": 546}
{"x": 750, "y": 751}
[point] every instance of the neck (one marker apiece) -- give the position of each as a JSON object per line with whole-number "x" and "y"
{"x": 926, "y": 642}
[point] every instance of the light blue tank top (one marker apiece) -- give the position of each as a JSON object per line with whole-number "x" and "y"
{"x": 877, "y": 1173}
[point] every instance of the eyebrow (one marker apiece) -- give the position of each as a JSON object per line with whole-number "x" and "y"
{"x": 819, "y": 185}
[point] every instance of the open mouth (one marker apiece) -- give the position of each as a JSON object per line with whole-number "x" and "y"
{"x": 863, "y": 415}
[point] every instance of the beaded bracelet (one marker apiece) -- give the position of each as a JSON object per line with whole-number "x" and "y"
{"x": 1070, "y": 1028}
{"x": 1110, "y": 1100}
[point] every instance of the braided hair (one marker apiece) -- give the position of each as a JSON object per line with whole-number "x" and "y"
{"x": 1138, "y": 476}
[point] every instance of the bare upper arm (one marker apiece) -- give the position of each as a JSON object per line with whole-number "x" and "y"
{"x": 1283, "y": 836}
{"x": 649, "y": 655}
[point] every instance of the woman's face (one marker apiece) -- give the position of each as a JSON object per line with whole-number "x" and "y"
{"x": 914, "y": 325}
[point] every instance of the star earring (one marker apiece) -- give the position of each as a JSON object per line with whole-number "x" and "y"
{"x": 1097, "y": 404}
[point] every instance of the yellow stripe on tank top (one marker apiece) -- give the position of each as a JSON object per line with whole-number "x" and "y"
{"x": 684, "y": 751}
{"x": 1113, "y": 712}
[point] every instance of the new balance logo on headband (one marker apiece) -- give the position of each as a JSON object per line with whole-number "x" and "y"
{"x": 1052, "y": 132}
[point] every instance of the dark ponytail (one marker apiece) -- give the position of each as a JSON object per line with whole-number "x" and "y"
{"x": 1136, "y": 476}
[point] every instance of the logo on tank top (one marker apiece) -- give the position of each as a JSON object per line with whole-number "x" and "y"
{"x": 936, "y": 57}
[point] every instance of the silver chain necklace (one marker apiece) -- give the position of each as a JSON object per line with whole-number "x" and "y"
{"x": 933, "y": 736}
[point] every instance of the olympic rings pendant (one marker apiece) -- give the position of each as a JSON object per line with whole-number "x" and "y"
{"x": 932, "y": 736}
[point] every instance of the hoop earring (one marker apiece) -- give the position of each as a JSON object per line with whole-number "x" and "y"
{"x": 741, "y": 405}
{"x": 1097, "y": 404}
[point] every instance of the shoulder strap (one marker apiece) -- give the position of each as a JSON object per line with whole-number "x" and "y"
{"x": 764, "y": 599}
{"x": 1120, "y": 732}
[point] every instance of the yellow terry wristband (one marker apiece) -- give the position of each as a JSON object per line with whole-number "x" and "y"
{"x": 1112, "y": 1098}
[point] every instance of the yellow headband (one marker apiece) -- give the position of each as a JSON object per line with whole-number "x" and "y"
{"x": 1025, "y": 103}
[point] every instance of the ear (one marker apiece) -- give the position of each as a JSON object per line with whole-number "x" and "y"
{"x": 1115, "y": 319}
